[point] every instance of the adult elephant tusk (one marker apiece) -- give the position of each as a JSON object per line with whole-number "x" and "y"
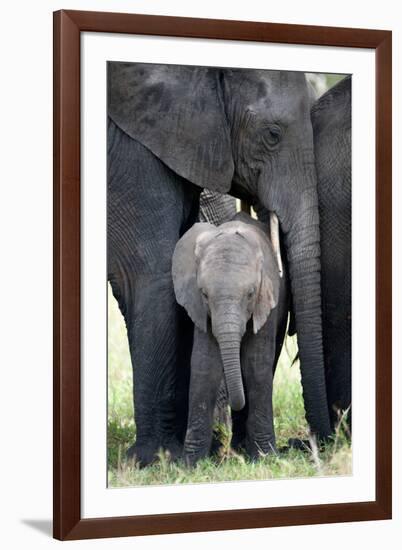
{"x": 274, "y": 231}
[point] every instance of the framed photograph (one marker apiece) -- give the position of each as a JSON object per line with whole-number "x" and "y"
{"x": 222, "y": 269}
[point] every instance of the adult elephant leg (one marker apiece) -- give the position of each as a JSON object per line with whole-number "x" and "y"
{"x": 155, "y": 344}
{"x": 149, "y": 208}
{"x": 160, "y": 337}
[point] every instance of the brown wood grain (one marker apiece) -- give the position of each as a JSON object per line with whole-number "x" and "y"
{"x": 384, "y": 274}
{"x": 66, "y": 379}
{"x": 67, "y": 346}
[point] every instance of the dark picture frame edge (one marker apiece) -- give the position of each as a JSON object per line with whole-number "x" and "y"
{"x": 68, "y": 524}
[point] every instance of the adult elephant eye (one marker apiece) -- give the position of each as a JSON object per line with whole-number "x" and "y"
{"x": 273, "y": 135}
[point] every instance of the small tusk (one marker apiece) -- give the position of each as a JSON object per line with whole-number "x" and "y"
{"x": 274, "y": 231}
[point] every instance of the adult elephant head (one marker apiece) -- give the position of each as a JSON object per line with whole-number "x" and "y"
{"x": 246, "y": 132}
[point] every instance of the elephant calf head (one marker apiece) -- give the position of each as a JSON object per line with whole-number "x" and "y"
{"x": 225, "y": 276}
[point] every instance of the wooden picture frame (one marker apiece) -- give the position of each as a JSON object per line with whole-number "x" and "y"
{"x": 68, "y": 25}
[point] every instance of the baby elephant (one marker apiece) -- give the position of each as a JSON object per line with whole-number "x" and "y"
{"x": 228, "y": 278}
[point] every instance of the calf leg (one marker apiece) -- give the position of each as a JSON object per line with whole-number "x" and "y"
{"x": 258, "y": 357}
{"x": 206, "y": 375}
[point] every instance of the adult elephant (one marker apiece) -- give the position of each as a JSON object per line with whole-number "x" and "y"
{"x": 172, "y": 131}
{"x": 331, "y": 117}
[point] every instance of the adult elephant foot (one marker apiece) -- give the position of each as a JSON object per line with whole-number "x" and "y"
{"x": 144, "y": 454}
{"x": 173, "y": 450}
{"x": 299, "y": 444}
{"x": 147, "y": 453}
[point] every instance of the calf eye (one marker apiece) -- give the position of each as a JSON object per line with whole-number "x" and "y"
{"x": 251, "y": 293}
{"x": 204, "y": 293}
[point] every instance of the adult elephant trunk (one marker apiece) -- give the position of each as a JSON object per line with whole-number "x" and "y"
{"x": 229, "y": 344}
{"x": 302, "y": 242}
{"x": 292, "y": 195}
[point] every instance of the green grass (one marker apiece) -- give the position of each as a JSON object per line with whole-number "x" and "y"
{"x": 335, "y": 459}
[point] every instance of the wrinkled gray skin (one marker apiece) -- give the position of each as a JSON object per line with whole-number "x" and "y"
{"x": 227, "y": 279}
{"x": 172, "y": 131}
{"x": 331, "y": 117}
{"x": 216, "y": 208}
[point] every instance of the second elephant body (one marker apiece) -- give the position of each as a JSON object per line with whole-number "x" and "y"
{"x": 332, "y": 117}
{"x": 228, "y": 280}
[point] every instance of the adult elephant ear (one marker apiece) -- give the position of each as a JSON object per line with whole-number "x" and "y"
{"x": 178, "y": 113}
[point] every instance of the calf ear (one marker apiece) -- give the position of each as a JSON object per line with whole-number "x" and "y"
{"x": 178, "y": 113}
{"x": 268, "y": 293}
{"x": 184, "y": 273}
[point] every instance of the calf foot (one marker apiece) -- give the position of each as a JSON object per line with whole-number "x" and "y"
{"x": 191, "y": 459}
{"x": 256, "y": 449}
{"x": 192, "y": 455}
